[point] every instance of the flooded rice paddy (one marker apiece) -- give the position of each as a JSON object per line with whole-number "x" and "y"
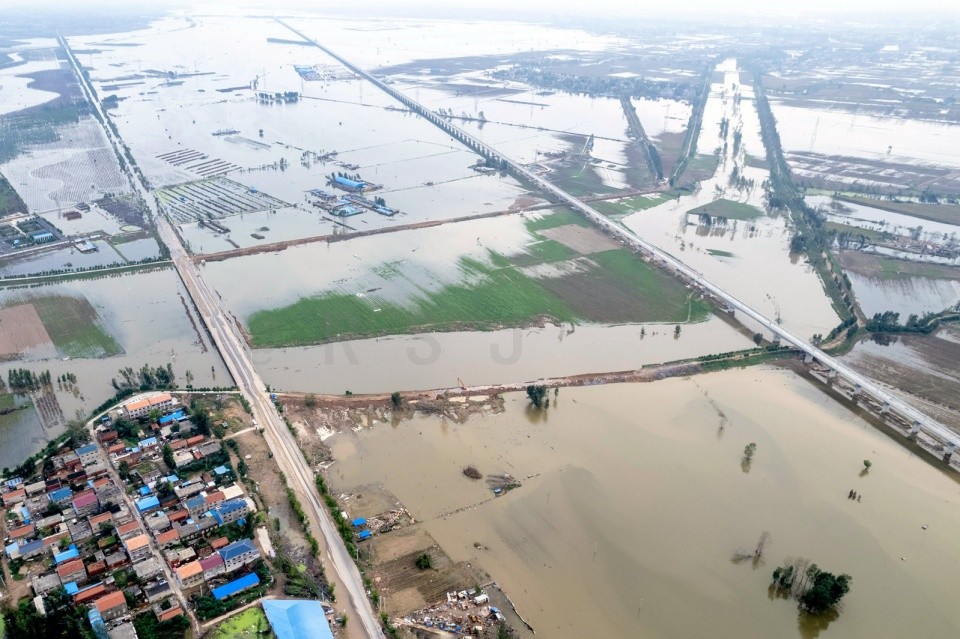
{"x": 634, "y": 501}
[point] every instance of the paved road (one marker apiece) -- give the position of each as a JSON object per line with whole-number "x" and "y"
{"x": 866, "y": 385}
{"x": 284, "y": 447}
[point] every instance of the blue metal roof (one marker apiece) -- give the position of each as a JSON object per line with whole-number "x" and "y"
{"x": 72, "y": 588}
{"x": 237, "y": 548}
{"x": 364, "y": 534}
{"x": 86, "y": 450}
{"x": 66, "y": 555}
{"x": 297, "y": 619}
{"x": 144, "y": 490}
{"x": 221, "y": 470}
{"x": 149, "y": 441}
{"x": 353, "y": 184}
{"x": 193, "y": 502}
{"x": 13, "y": 483}
{"x": 60, "y": 494}
{"x": 25, "y": 513}
{"x": 147, "y": 503}
{"x": 359, "y": 521}
{"x": 229, "y": 506}
{"x": 166, "y": 419}
{"x": 237, "y": 585}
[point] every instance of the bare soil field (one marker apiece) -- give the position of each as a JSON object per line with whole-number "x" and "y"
{"x": 404, "y": 586}
{"x": 21, "y": 329}
{"x": 581, "y": 239}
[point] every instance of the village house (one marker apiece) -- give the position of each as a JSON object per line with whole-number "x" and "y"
{"x": 190, "y": 574}
{"x": 239, "y": 554}
{"x": 111, "y": 606}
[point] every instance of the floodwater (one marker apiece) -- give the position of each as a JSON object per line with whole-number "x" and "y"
{"x": 445, "y": 360}
{"x": 64, "y": 258}
{"x": 274, "y": 148}
{"x": 21, "y": 434}
{"x": 904, "y": 295}
{"x": 838, "y": 132}
{"x": 747, "y": 258}
{"x": 875, "y": 219}
{"x": 634, "y": 502}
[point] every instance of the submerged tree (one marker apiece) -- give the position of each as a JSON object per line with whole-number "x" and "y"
{"x": 537, "y": 394}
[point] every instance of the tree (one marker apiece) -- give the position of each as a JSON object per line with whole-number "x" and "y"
{"x": 867, "y": 464}
{"x": 826, "y": 591}
{"x": 168, "y": 457}
{"x": 395, "y": 399}
{"x": 242, "y": 468}
{"x": 676, "y": 331}
{"x": 749, "y": 450}
{"x": 424, "y": 562}
{"x": 537, "y": 393}
{"x": 154, "y": 416}
{"x": 123, "y": 469}
{"x": 757, "y": 338}
{"x": 310, "y": 400}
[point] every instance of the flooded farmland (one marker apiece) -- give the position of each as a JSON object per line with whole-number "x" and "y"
{"x": 634, "y": 501}
{"x": 747, "y": 253}
{"x": 113, "y": 322}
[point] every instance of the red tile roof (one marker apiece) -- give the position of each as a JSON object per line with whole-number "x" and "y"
{"x": 111, "y": 601}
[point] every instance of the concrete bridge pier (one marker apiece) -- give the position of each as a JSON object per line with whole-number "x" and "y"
{"x": 914, "y": 429}
{"x": 808, "y": 358}
{"x": 885, "y": 408}
{"x": 948, "y": 452}
{"x": 832, "y": 374}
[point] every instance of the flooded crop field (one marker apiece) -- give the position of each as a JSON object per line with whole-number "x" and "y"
{"x": 511, "y": 271}
{"x": 638, "y": 515}
{"x": 884, "y": 283}
{"x": 923, "y": 368}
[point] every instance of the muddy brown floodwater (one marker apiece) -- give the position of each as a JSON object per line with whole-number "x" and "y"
{"x": 634, "y": 501}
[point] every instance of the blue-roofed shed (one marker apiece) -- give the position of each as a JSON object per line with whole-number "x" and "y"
{"x": 43, "y": 236}
{"x": 221, "y": 470}
{"x": 13, "y": 483}
{"x": 350, "y": 184}
{"x": 86, "y": 450}
{"x": 66, "y": 555}
{"x": 71, "y": 587}
{"x": 297, "y": 619}
{"x": 171, "y": 479}
{"x": 359, "y": 521}
{"x": 148, "y": 503}
{"x": 13, "y": 550}
{"x": 148, "y": 442}
{"x": 25, "y": 514}
{"x": 172, "y": 417}
{"x": 237, "y": 585}
{"x": 144, "y": 491}
{"x": 364, "y": 534}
